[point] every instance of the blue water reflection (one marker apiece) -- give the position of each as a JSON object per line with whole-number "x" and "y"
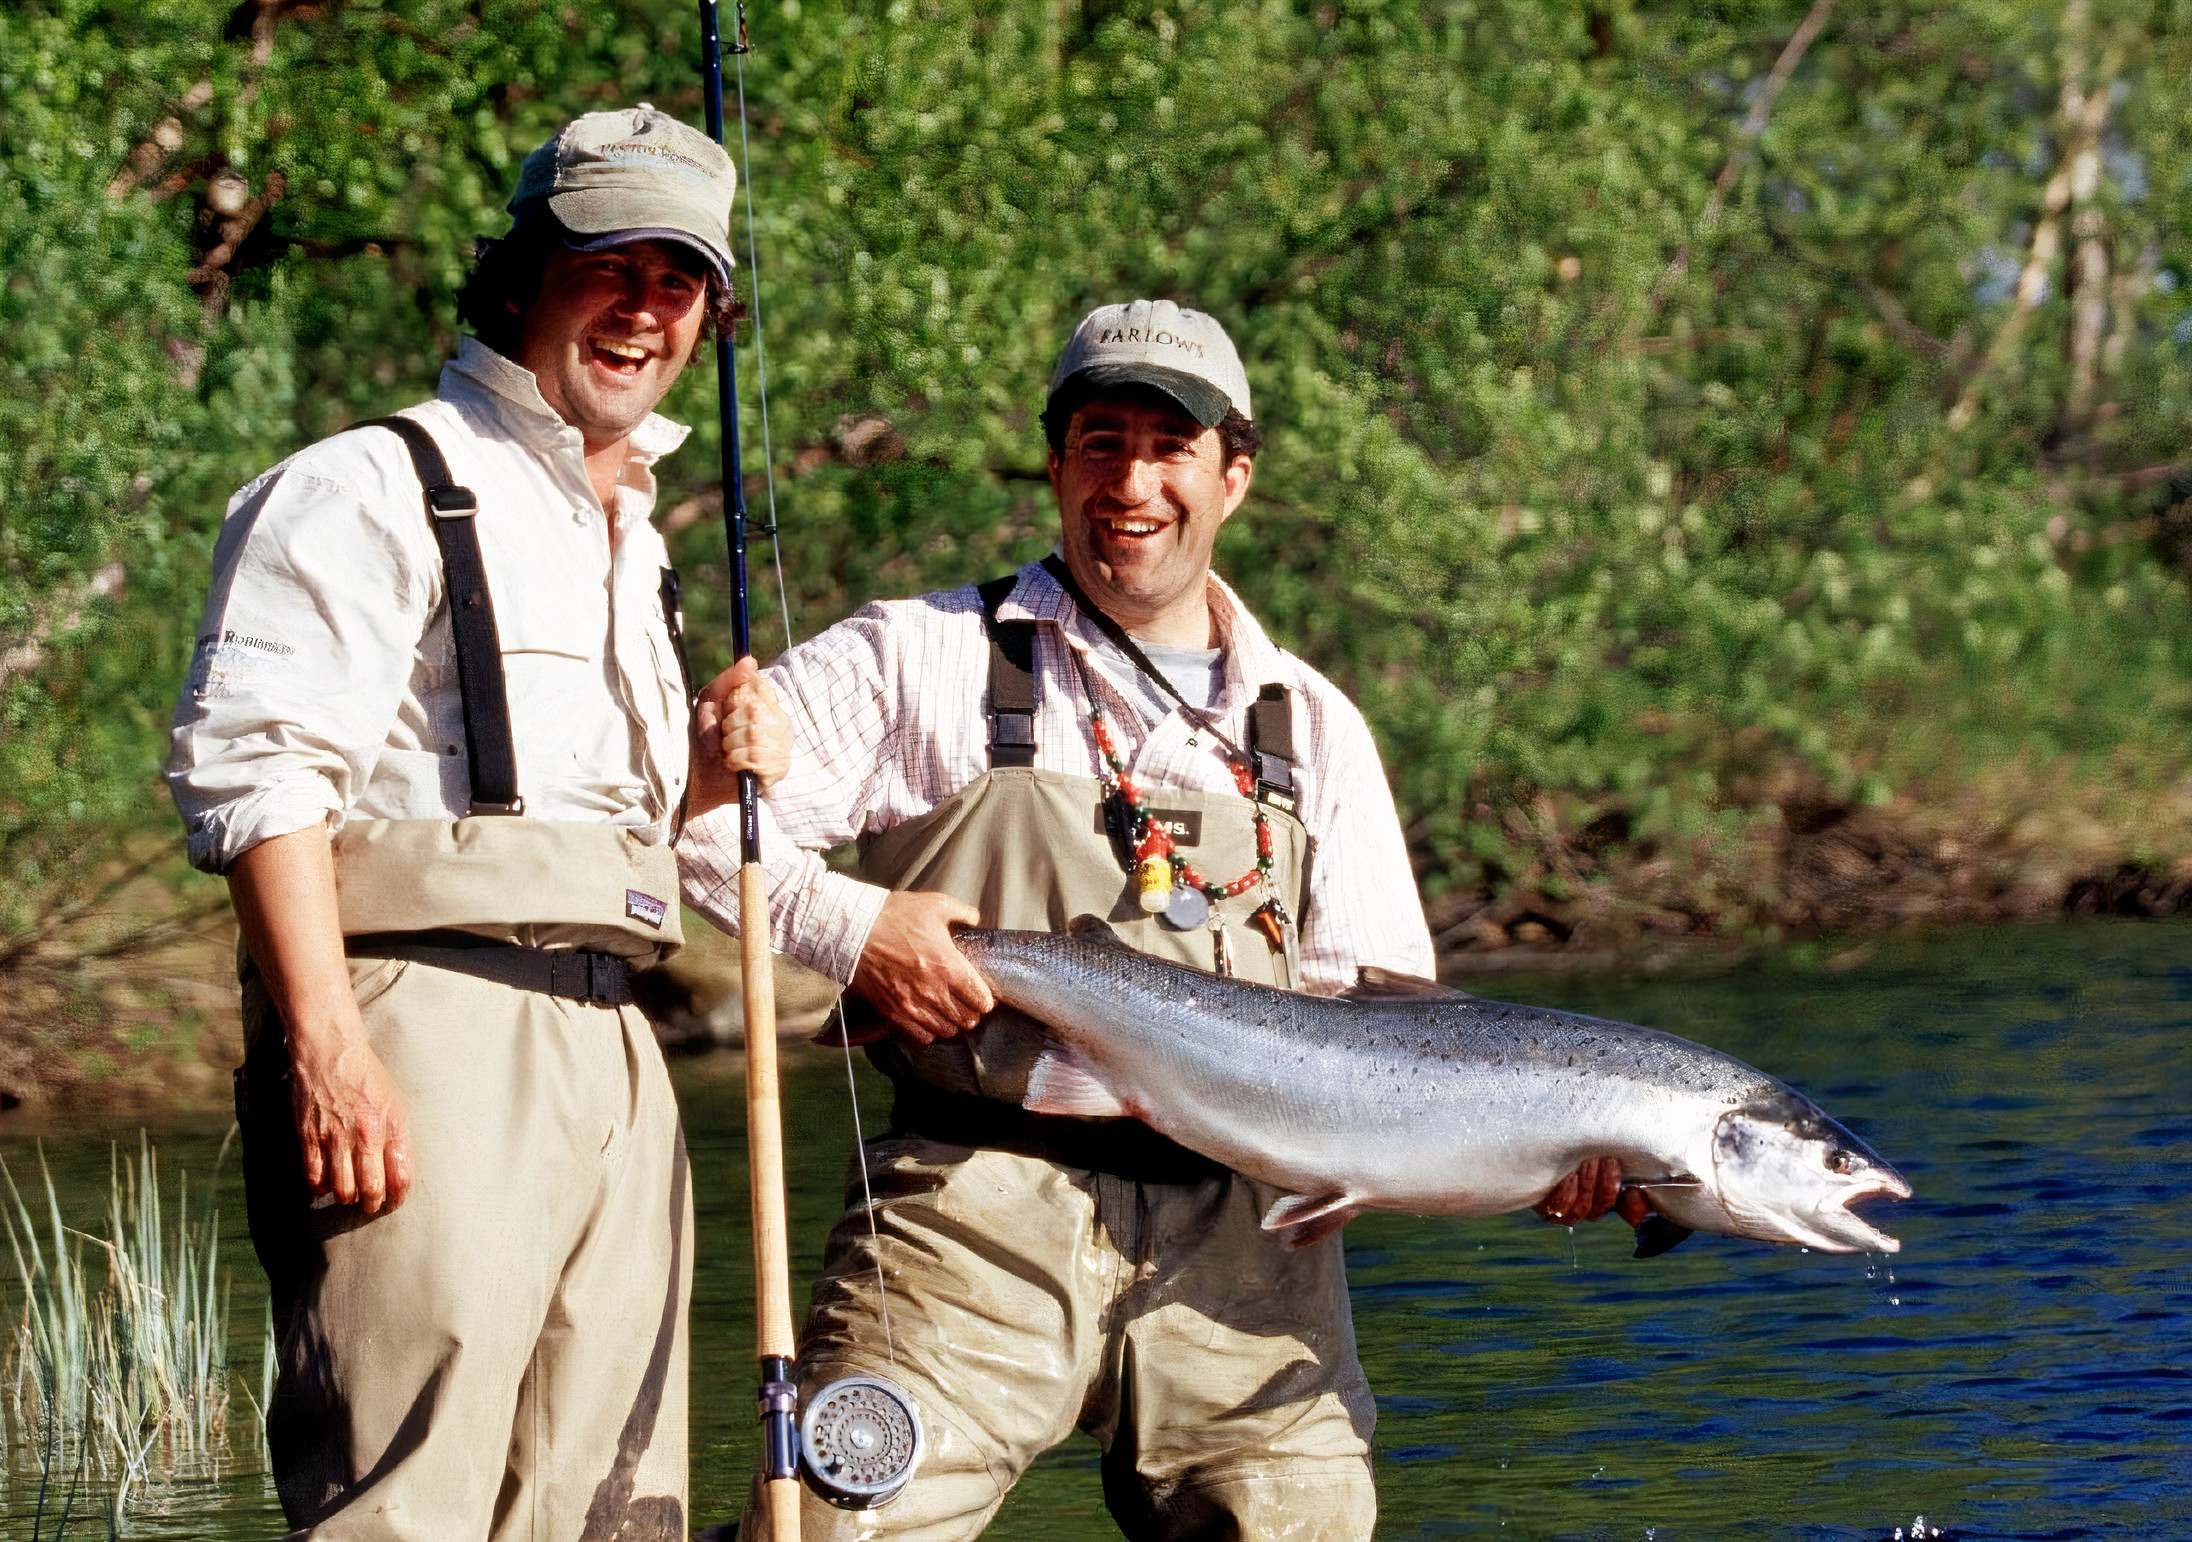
{"x": 2022, "y": 1369}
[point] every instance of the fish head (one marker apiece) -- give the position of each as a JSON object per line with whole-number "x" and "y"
{"x": 1785, "y": 1172}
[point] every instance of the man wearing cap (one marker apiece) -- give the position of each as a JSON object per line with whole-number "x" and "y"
{"x": 437, "y": 733}
{"x": 1108, "y": 731}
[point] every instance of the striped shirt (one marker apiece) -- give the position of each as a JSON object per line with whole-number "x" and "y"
{"x": 890, "y": 718}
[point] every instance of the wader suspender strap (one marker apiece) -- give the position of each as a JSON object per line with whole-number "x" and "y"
{"x": 673, "y": 617}
{"x": 1270, "y": 717}
{"x": 450, "y": 510}
{"x": 1271, "y": 746}
{"x": 1011, "y": 678}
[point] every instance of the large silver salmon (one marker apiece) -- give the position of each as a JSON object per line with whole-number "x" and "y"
{"x": 1408, "y": 1096}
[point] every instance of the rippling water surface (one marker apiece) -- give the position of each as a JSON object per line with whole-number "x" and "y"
{"x": 2022, "y": 1369}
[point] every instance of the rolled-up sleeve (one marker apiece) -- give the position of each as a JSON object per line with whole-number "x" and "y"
{"x": 838, "y": 689}
{"x": 311, "y": 632}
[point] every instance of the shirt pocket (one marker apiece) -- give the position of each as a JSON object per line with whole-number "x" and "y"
{"x": 565, "y": 620}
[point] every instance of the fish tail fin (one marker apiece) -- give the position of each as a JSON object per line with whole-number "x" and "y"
{"x": 1304, "y": 1220}
{"x": 1060, "y": 1084}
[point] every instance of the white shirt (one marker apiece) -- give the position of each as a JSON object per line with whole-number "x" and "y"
{"x": 889, "y": 714}
{"x": 324, "y": 685}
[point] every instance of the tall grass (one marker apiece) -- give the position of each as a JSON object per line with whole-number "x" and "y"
{"x": 118, "y": 1376}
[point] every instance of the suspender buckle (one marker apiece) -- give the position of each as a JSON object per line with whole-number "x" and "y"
{"x": 1274, "y": 779}
{"x": 512, "y": 809}
{"x": 1012, "y": 729}
{"x": 448, "y": 501}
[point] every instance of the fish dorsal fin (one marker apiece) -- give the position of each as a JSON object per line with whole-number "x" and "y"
{"x": 1372, "y": 983}
{"x": 1091, "y": 928}
{"x": 1060, "y": 1084}
{"x": 1303, "y": 1220}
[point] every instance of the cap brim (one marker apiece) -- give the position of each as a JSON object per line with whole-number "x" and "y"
{"x": 1207, "y": 404}
{"x": 601, "y": 219}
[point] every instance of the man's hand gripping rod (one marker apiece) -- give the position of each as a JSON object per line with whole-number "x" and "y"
{"x": 764, "y": 1125}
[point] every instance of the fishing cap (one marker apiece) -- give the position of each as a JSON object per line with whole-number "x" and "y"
{"x": 635, "y": 174}
{"x": 1184, "y": 354}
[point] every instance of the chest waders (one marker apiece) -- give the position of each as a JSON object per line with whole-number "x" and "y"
{"x": 1031, "y": 848}
{"x": 560, "y": 907}
{"x": 1066, "y": 1273}
{"x": 504, "y": 1355}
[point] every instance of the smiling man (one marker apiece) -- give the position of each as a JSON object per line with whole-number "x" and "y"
{"x": 437, "y": 736}
{"x": 1106, "y": 731}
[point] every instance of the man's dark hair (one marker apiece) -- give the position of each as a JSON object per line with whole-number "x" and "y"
{"x": 1237, "y": 435}
{"x": 506, "y": 277}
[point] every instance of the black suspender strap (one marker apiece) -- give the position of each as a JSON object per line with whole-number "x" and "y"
{"x": 673, "y": 617}
{"x": 1011, "y": 678}
{"x": 1271, "y": 746}
{"x": 450, "y": 510}
{"x": 1270, "y": 752}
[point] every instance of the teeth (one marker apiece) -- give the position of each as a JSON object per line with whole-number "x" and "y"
{"x": 622, "y": 350}
{"x": 1136, "y": 526}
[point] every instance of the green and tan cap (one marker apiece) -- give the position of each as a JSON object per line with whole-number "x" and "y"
{"x": 636, "y": 174}
{"x": 1183, "y": 353}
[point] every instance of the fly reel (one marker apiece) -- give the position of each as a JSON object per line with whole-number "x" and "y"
{"x": 860, "y": 1438}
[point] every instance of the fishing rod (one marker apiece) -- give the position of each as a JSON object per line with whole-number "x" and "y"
{"x": 774, "y": 1343}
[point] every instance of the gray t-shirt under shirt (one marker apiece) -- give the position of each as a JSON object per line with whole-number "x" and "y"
{"x": 1198, "y": 674}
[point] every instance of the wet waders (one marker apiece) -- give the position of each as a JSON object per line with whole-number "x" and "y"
{"x": 504, "y": 1355}
{"x": 1048, "y": 1274}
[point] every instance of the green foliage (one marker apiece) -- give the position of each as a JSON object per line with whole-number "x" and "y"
{"x": 1606, "y": 492}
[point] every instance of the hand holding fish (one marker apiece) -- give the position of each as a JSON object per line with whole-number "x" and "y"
{"x": 914, "y": 974}
{"x": 1591, "y": 1192}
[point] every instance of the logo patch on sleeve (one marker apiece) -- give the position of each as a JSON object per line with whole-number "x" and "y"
{"x": 644, "y": 907}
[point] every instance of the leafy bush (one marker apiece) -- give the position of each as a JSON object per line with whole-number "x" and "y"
{"x": 1669, "y": 426}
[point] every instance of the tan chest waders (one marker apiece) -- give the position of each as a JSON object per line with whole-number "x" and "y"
{"x": 1031, "y": 848}
{"x": 560, "y": 907}
{"x": 502, "y": 1356}
{"x": 1015, "y": 1277}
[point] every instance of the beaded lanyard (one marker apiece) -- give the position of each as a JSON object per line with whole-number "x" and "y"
{"x": 1165, "y": 882}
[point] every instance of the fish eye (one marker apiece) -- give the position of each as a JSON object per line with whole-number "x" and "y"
{"x": 1840, "y": 1161}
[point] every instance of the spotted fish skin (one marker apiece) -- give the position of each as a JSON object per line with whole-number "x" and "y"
{"x": 1423, "y": 1100}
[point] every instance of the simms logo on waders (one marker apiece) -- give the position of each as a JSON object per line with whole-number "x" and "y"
{"x": 645, "y": 907}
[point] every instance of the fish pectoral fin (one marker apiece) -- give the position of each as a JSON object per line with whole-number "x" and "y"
{"x": 1303, "y": 1220}
{"x": 1659, "y": 1235}
{"x": 1094, "y": 928}
{"x": 1060, "y": 1084}
{"x": 854, "y": 1023}
{"x": 1372, "y": 982}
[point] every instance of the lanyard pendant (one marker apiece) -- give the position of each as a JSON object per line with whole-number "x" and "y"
{"x": 1271, "y": 919}
{"x": 1221, "y": 943}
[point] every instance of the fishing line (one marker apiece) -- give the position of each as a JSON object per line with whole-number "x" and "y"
{"x": 867, "y": 1195}
{"x": 761, "y": 347}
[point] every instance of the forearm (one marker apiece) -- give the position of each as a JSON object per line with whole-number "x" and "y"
{"x": 284, "y": 891}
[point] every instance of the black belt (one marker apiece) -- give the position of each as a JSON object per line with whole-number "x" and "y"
{"x": 574, "y": 974}
{"x": 1124, "y": 1148}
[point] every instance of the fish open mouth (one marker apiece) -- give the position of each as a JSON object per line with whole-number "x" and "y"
{"x": 1843, "y": 1230}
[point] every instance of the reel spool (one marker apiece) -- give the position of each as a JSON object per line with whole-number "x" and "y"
{"x": 860, "y": 1438}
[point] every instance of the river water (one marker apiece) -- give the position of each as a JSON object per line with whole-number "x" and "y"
{"x": 2022, "y": 1369}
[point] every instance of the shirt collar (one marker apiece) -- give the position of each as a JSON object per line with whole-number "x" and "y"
{"x": 1252, "y": 660}
{"x": 506, "y": 393}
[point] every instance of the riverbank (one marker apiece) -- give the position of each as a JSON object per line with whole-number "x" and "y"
{"x": 1809, "y": 886}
